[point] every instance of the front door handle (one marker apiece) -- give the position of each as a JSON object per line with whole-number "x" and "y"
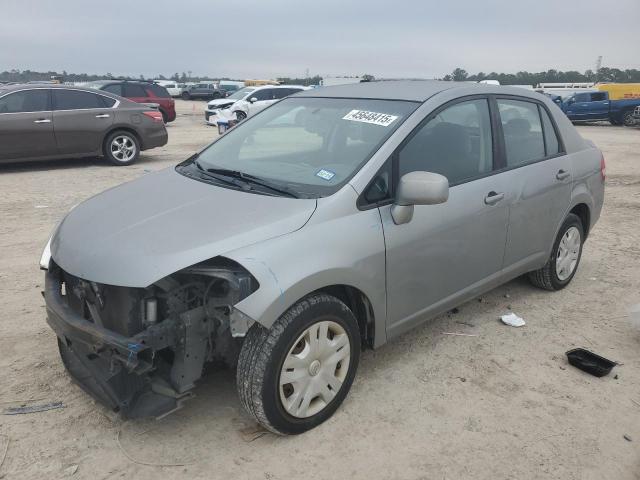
{"x": 562, "y": 175}
{"x": 103, "y": 115}
{"x": 42, "y": 120}
{"x": 493, "y": 197}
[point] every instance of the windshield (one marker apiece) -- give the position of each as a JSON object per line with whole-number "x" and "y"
{"x": 309, "y": 145}
{"x": 240, "y": 94}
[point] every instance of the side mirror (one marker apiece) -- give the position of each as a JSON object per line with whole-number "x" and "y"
{"x": 418, "y": 188}
{"x": 253, "y": 99}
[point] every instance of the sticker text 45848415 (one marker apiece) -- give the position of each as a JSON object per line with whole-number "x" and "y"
{"x": 375, "y": 118}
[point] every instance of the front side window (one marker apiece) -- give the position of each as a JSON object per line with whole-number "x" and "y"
{"x": 456, "y": 143}
{"x": 310, "y": 145}
{"x": 242, "y": 93}
{"x": 25, "y": 101}
{"x": 523, "y": 138}
{"x": 76, "y": 100}
{"x": 264, "y": 94}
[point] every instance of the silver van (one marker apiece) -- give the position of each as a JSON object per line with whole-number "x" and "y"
{"x": 334, "y": 220}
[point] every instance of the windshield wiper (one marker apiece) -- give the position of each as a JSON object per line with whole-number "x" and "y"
{"x": 252, "y": 179}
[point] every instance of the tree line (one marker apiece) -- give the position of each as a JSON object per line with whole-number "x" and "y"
{"x": 604, "y": 74}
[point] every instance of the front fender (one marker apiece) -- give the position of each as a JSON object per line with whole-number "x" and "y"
{"x": 344, "y": 250}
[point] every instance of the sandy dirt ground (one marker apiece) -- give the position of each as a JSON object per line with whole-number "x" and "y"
{"x": 503, "y": 404}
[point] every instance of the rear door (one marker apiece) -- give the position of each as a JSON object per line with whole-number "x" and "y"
{"x": 81, "y": 119}
{"x": 136, "y": 93}
{"x": 539, "y": 177}
{"x": 26, "y": 125}
{"x": 579, "y": 108}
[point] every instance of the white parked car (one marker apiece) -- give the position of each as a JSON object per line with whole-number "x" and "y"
{"x": 247, "y": 102}
{"x": 175, "y": 89}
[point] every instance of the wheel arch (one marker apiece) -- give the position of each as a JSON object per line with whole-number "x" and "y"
{"x": 121, "y": 128}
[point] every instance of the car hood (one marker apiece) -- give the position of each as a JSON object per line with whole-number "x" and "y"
{"x": 218, "y": 102}
{"x": 139, "y": 232}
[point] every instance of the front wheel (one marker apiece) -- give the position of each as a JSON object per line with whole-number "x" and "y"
{"x": 294, "y": 375}
{"x": 185, "y": 96}
{"x": 565, "y": 257}
{"x": 240, "y": 116}
{"x": 121, "y": 148}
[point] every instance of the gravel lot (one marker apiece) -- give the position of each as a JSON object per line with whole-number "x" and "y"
{"x": 502, "y": 404}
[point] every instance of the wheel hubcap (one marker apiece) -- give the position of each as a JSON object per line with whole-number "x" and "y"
{"x": 568, "y": 253}
{"x": 123, "y": 148}
{"x": 314, "y": 369}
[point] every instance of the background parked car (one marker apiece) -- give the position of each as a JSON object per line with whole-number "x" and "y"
{"x": 39, "y": 122}
{"x": 140, "y": 92}
{"x": 597, "y": 105}
{"x": 248, "y": 101}
{"x": 203, "y": 90}
{"x": 175, "y": 89}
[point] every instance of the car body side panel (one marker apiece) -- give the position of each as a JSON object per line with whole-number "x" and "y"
{"x": 81, "y": 131}
{"x": 340, "y": 245}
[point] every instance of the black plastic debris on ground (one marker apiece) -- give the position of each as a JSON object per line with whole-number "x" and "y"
{"x": 590, "y": 362}
{"x": 33, "y": 408}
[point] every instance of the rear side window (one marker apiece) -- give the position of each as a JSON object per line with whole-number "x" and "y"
{"x": 76, "y": 100}
{"x": 25, "y": 101}
{"x": 456, "y": 143}
{"x": 281, "y": 92}
{"x": 523, "y": 138}
{"x": 108, "y": 101}
{"x": 552, "y": 144}
{"x": 115, "y": 88}
{"x": 157, "y": 91}
{"x": 266, "y": 94}
{"x": 598, "y": 96}
{"x": 133, "y": 90}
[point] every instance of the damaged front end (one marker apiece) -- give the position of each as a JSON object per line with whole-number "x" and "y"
{"x": 141, "y": 350}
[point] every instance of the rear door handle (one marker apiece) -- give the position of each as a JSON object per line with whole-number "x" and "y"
{"x": 493, "y": 197}
{"x": 103, "y": 115}
{"x": 562, "y": 175}
{"x": 42, "y": 120}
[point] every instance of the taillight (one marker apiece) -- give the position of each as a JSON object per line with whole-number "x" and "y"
{"x": 603, "y": 168}
{"x": 154, "y": 115}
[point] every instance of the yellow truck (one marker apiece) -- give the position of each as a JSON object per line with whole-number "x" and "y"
{"x": 620, "y": 91}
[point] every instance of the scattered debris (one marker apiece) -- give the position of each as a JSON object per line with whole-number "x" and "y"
{"x": 616, "y": 377}
{"x": 460, "y": 334}
{"x": 33, "y": 408}
{"x": 590, "y": 362}
{"x": 512, "y": 320}
{"x": 462, "y": 322}
{"x": 42, "y": 206}
{"x": 454, "y": 310}
{"x": 71, "y": 470}
{"x": 462, "y": 379}
{"x": 506, "y": 295}
{"x": 252, "y": 433}
{"x": 627, "y": 438}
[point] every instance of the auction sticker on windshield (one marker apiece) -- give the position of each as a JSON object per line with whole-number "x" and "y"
{"x": 375, "y": 118}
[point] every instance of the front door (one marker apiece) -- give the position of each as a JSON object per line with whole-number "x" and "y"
{"x": 599, "y": 106}
{"x": 26, "y": 125}
{"x": 447, "y": 252}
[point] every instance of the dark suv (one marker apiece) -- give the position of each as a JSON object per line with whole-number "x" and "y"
{"x": 140, "y": 92}
{"x": 203, "y": 90}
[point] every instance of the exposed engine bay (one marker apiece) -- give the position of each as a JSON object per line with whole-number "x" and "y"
{"x": 141, "y": 350}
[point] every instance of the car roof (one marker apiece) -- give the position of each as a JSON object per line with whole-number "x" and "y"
{"x": 35, "y": 86}
{"x": 410, "y": 90}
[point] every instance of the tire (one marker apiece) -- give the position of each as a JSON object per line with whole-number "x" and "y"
{"x": 165, "y": 117}
{"x": 615, "y": 122}
{"x": 263, "y": 355}
{"x": 240, "y": 115}
{"x": 185, "y": 96}
{"x": 628, "y": 119}
{"x": 128, "y": 154}
{"x": 551, "y": 277}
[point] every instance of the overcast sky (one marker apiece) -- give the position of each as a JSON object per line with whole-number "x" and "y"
{"x": 270, "y": 38}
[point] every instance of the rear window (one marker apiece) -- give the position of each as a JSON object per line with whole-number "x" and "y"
{"x": 133, "y": 90}
{"x": 157, "y": 91}
{"x": 115, "y": 88}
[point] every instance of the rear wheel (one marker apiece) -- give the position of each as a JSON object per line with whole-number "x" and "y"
{"x": 628, "y": 119}
{"x": 121, "y": 148}
{"x": 565, "y": 257}
{"x": 165, "y": 117}
{"x": 294, "y": 376}
{"x": 615, "y": 122}
{"x": 185, "y": 96}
